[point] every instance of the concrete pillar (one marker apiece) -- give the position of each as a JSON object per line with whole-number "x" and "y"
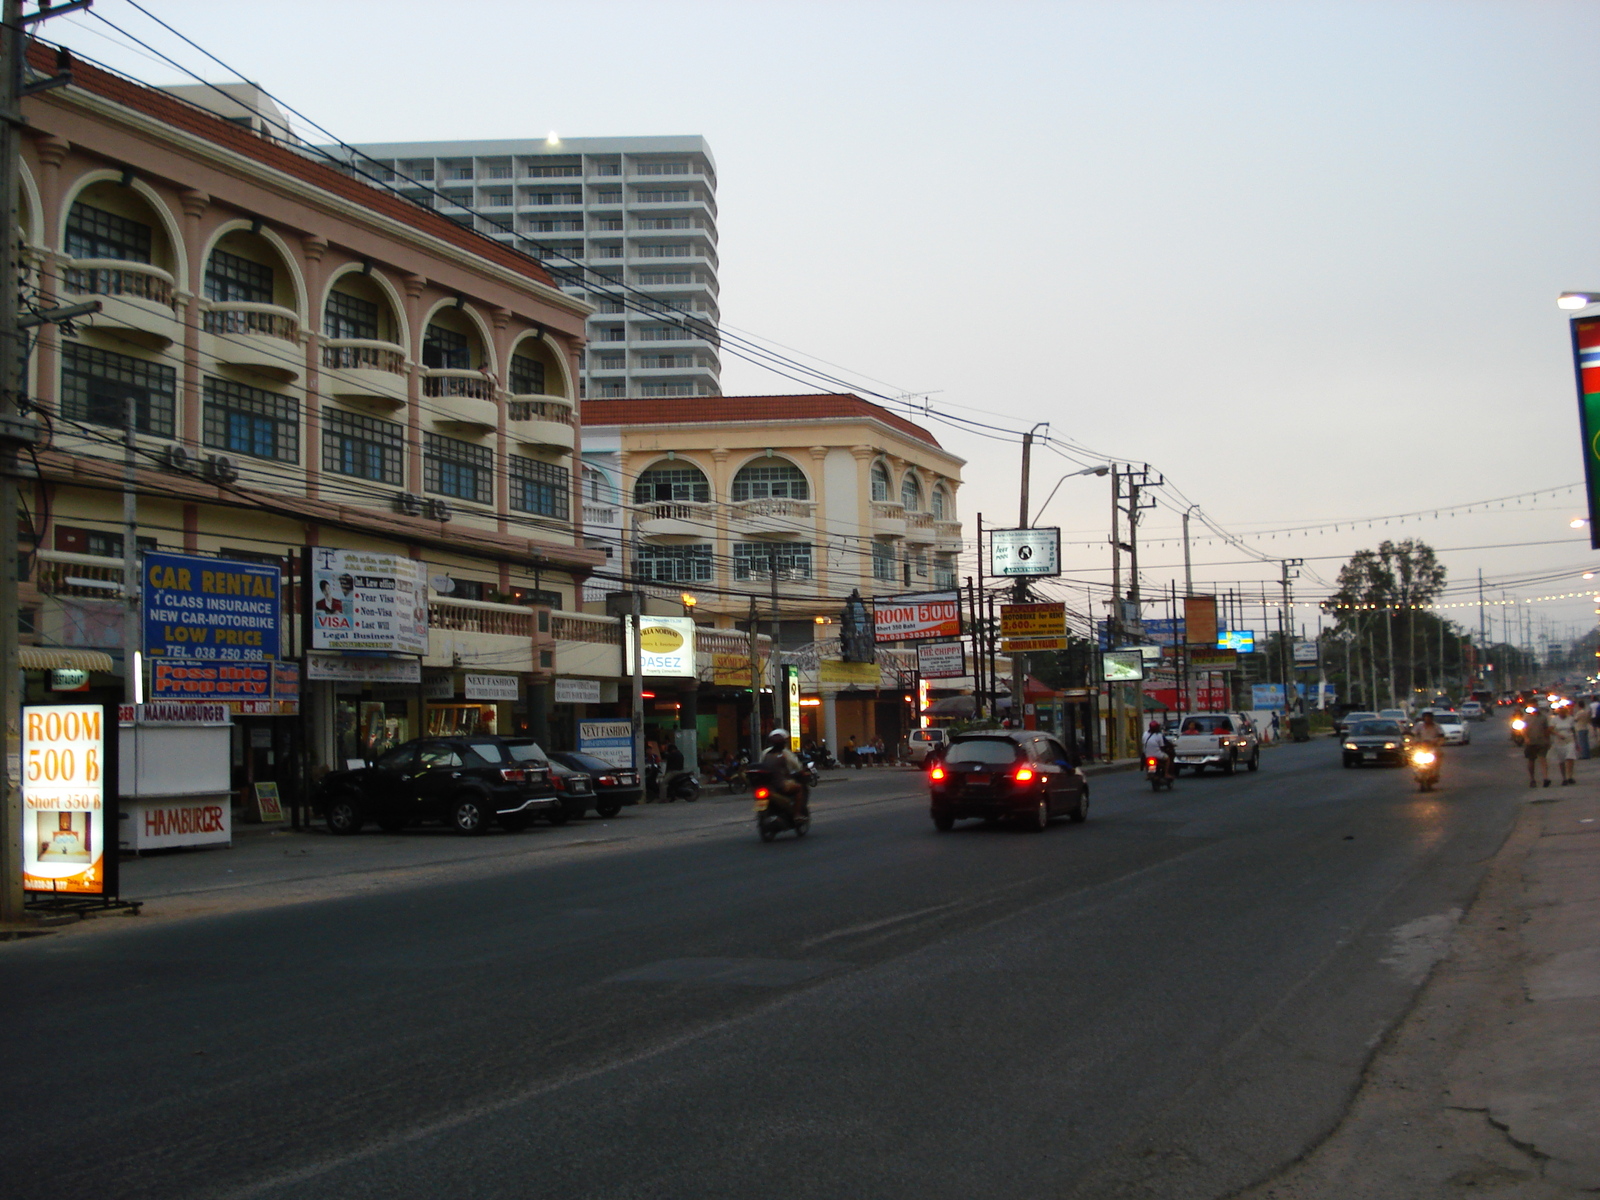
{"x": 830, "y": 721}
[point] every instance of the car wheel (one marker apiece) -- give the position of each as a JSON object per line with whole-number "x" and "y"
{"x": 1080, "y": 811}
{"x": 1255, "y": 760}
{"x": 1229, "y": 766}
{"x": 943, "y": 822}
{"x": 557, "y": 815}
{"x": 469, "y": 815}
{"x": 516, "y": 822}
{"x": 1039, "y": 819}
{"x": 343, "y": 815}
{"x": 608, "y": 808}
{"x": 391, "y": 824}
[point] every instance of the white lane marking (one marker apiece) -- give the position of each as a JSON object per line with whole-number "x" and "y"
{"x": 869, "y": 926}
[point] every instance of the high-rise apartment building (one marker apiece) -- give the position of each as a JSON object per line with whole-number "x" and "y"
{"x": 629, "y": 224}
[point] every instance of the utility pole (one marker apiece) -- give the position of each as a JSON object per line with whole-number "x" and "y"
{"x": 1483, "y": 629}
{"x": 1289, "y": 568}
{"x": 1188, "y": 575}
{"x": 755, "y": 687}
{"x": 772, "y": 650}
{"x": 16, "y": 429}
{"x": 1114, "y": 618}
{"x": 1019, "y": 588}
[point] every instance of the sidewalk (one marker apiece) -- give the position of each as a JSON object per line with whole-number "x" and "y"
{"x": 1492, "y": 1084}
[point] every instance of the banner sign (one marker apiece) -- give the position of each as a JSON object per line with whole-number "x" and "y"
{"x": 1026, "y": 552}
{"x": 209, "y": 609}
{"x": 1586, "y": 363}
{"x": 1028, "y": 627}
{"x": 1306, "y": 654}
{"x": 927, "y": 616}
{"x": 733, "y": 670}
{"x": 501, "y": 688}
{"x": 363, "y": 600}
{"x": 667, "y": 646}
{"x": 577, "y": 691}
{"x": 1200, "y": 619}
{"x": 359, "y": 669}
{"x": 210, "y": 681}
{"x": 1122, "y": 666}
{"x": 64, "y": 800}
{"x": 942, "y": 660}
{"x": 1266, "y": 695}
{"x": 1213, "y": 660}
{"x": 859, "y": 674}
{"x": 610, "y": 741}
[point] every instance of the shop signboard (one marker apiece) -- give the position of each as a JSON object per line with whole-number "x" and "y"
{"x": 791, "y": 681}
{"x": 187, "y": 679}
{"x": 577, "y": 691}
{"x": 1242, "y": 640}
{"x": 1200, "y": 619}
{"x": 1024, "y": 552}
{"x": 209, "y": 609}
{"x": 942, "y": 660}
{"x": 500, "y": 688}
{"x": 1586, "y": 362}
{"x": 1266, "y": 696}
{"x": 925, "y": 616}
{"x": 850, "y": 674}
{"x": 66, "y": 804}
{"x": 1122, "y": 666}
{"x": 609, "y": 741}
{"x": 733, "y": 670}
{"x": 360, "y": 669}
{"x": 364, "y": 600}
{"x": 1213, "y": 660}
{"x": 666, "y": 646}
{"x": 1306, "y": 654}
{"x": 1029, "y": 627}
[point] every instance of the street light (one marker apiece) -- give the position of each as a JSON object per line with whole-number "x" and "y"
{"x": 1063, "y": 479}
{"x": 1573, "y": 300}
{"x": 689, "y": 601}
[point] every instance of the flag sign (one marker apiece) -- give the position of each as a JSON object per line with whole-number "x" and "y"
{"x": 1586, "y": 360}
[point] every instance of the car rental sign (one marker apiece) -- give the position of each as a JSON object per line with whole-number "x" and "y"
{"x": 928, "y": 616}
{"x": 209, "y": 609}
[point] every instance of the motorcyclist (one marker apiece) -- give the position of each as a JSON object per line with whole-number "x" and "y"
{"x": 1428, "y": 732}
{"x": 1158, "y": 745}
{"x": 785, "y": 768}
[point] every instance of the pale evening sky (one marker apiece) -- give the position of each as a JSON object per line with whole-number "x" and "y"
{"x": 1299, "y": 257}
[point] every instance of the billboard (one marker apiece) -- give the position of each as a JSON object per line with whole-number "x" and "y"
{"x": 941, "y": 660}
{"x": 1122, "y": 666}
{"x": 666, "y": 646}
{"x": 1024, "y": 552}
{"x": 1586, "y": 365}
{"x": 1306, "y": 654}
{"x": 209, "y": 609}
{"x": 927, "y": 616}
{"x": 1028, "y": 627}
{"x": 1241, "y": 640}
{"x": 364, "y": 600}
{"x": 64, "y": 800}
{"x": 1200, "y": 619}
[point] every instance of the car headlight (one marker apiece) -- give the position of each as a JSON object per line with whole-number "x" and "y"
{"x": 1388, "y": 745}
{"x": 1351, "y": 746}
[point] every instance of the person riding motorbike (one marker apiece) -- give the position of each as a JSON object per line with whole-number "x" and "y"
{"x": 1428, "y": 733}
{"x": 785, "y": 768}
{"x": 1158, "y": 745}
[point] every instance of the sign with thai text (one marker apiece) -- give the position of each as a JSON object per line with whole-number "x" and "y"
{"x": 926, "y": 616}
{"x": 848, "y": 673}
{"x": 1029, "y": 627}
{"x": 364, "y": 600}
{"x": 64, "y": 799}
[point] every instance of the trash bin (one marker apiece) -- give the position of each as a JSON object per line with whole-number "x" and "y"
{"x": 1300, "y": 728}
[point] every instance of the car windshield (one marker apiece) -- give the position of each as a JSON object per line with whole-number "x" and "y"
{"x": 998, "y": 751}
{"x": 1193, "y": 725}
{"x": 526, "y": 752}
{"x": 588, "y": 762}
{"x": 1394, "y": 714}
{"x": 1376, "y": 729}
{"x": 1447, "y": 718}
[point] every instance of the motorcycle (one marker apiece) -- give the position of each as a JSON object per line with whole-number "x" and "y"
{"x": 684, "y": 786}
{"x": 776, "y": 812}
{"x": 1155, "y": 772}
{"x": 808, "y": 769}
{"x": 1519, "y": 728}
{"x": 1425, "y": 767}
{"x": 823, "y": 758}
{"x": 732, "y": 774}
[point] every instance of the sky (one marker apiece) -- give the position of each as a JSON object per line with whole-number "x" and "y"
{"x": 1300, "y": 258}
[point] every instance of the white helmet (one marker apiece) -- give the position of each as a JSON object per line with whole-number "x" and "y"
{"x": 778, "y": 733}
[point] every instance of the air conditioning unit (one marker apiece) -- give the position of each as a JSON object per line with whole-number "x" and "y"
{"x": 221, "y": 469}
{"x": 177, "y": 460}
{"x": 408, "y": 503}
{"x": 438, "y": 510}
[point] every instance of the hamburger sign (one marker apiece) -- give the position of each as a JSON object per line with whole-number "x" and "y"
{"x": 666, "y": 646}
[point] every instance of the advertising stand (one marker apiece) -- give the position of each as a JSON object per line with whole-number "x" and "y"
{"x": 177, "y": 789}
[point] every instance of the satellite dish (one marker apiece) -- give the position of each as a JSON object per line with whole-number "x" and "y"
{"x": 442, "y": 584}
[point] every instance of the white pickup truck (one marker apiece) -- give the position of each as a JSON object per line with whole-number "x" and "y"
{"x": 1221, "y": 740}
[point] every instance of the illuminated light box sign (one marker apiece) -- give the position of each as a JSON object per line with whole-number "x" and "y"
{"x": 1242, "y": 640}
{"x": 64, "y": 800}
{"x": 1122, "y": 666}
{"x": 667, "y": 646}
{"x": 930, "y": 616}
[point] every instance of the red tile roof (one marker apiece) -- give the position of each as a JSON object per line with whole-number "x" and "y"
{"x": 182, "y": 115}
{"x": 721, "y": 410}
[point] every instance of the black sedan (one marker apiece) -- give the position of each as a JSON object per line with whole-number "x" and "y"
{"x": 1375, "y": 741}
{"x": 467, "y": 782}
{"x": 1023, "y": 775}
{"x": 614, "y": 786}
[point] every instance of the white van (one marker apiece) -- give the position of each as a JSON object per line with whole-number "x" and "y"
{"x": 922, "y": 742}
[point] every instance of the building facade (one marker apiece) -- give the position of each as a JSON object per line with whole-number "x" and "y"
{"x": 640, "y": 212}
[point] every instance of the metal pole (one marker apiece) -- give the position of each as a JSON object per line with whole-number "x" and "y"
{"x": 132, "y": 633}
{"x": 755, "y": 687}
{"x": 772, "y": 650}
{"x": 1019, "y": 593}
{"x": 1114, "y": 618}
{"x": 638, "y": 678}
{"x": 13, "y": 381}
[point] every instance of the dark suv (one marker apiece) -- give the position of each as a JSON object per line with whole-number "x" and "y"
{"x": 466, "y": 782}
{"x": 998, "y": 775}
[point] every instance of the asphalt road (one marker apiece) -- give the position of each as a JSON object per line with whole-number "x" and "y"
{"x": 1173, "y": 1000}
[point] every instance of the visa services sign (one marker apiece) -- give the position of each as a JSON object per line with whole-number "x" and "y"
{"x": 210, "y": 609}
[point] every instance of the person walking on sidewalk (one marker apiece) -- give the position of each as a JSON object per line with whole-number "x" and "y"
{"x": 1536, "y": 744}
{"x": 1564, "y": 741}
{"x": 1584, "y": 724}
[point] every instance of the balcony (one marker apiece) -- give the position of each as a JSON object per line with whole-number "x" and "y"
{"x": 542, "y": 422}
{"x": 774, "y": 516}
{"x": 460, "y": 400}
{"x": 358, "y": 369}
{"x": 677, "y": 518}
{"x": 587, "y": 646}
{"x": 920, "y": 528}
{"x": 888, "y": 518}
{"x": 135, "y": 299}
{"x": 600, "y": 514}
{"x": 470, "y": 633}
{"x": 88, "y": 576}
{"x": 254, "y": 337}
{"x": 948, "y": 534}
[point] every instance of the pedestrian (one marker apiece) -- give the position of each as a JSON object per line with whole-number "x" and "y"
{"x": 852, "y": 755}
{"x": 1274, "y": 725}
{"x": 1536, "y": 743}
{"x": 1583, "y": 725}
{"x": 1563, "y": 740}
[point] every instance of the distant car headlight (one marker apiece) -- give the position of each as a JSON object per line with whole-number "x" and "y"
{"x": 1388, "y": 745}
{"x": 1351, "y": 746}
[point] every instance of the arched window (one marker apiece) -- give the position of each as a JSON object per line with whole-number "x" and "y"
{"x": 938, "y": 504}
{"x": 673, "y": 481}
{"x": 880, "y": 481}
{"x": 771, "y": 477}
{"x": 596, "y": 487}
{"x": 911, "y": 493}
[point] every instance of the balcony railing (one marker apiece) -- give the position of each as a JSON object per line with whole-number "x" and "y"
{"x": 888, "y": 510}
{"x": 362, "y": 354}
{"x": 445, "y": 382}
{"x": 675, "y": 510}
{"x": 116, "y": 277}
{"x": 240, "y": 317}
{"x": 596, "y": 515}
{"x": 539, "y": 410}
{"x": 61, "y": 573}
{"x": 600, "y": 631}
{"x": 773, "y": 506}
{"x": 480, "y": 616}
{"x": 919, "y": 520}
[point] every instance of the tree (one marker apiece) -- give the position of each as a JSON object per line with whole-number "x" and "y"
{"x": 1377, "y": 590}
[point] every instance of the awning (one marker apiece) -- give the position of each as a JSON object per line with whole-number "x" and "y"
{"x": 952, "y": 706}
{"x": 56, "y": 658}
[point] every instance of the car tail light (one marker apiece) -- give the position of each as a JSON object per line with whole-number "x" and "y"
{"x": 558, "y": 783}
{"x": 936, "y": 773}
{"x": 762, "y": 793}
{"x": 606, "y": 780}
{"x": 513, "y": 774}
{"x": 1024, "y": 774}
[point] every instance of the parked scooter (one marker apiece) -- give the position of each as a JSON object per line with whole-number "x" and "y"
{"x": 822, "y": 757}
{"x": 732, "y": 773}
{"x": 684, "y": 786}
{"x": 776, "y": 812}
{"x": 1425, "y": 767}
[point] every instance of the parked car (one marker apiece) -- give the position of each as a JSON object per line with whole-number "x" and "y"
{"x": 576, "y": 789}
{"x": 614, "y": 786}
{"x": 922, "y": 742}
{"x": 1375, "y": 741}
{"x": 468, "y": 783}
{"x": 1019, "y": 774}
{"x": 1221, "y": 740}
